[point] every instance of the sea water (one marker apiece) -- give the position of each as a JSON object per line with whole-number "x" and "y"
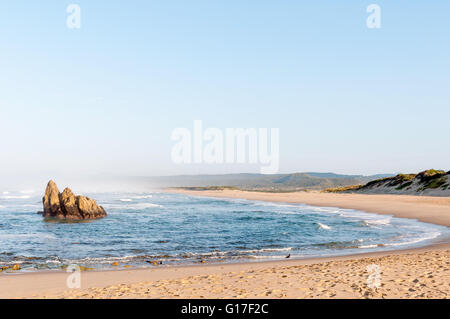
{"x": 142, "y": 228}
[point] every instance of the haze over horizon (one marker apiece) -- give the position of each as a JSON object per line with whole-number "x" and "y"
{"x": 105, "y": 98}
{"x": 24, "y": 185}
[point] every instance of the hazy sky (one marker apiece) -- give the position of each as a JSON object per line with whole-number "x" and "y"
{"x": 104, "y": 99}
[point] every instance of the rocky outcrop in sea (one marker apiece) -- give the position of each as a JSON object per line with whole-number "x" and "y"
{"x": 67, "y": 205}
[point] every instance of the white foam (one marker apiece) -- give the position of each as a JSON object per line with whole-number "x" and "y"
{"x": 367, "y": 218}
{"x": 136, "y": 206}
{"x": 323, "y": 226}
{"x": 287, "y": 213}
{"x": 250, "y": 251}
{"x": 321, "y": 209}
{"x": 34, "y": 236}
{"x": 142, "y": 196}
{"x": 27, "y": 191}
{"x": 271, "y": 204}
{"x": 428, "y": 236}
{"x": 369, "y": 246}
{"x": 383, "y": 221}
{"x": 147, "y": 205}
{"x": 100, "y": 260}
{"x": 272, "y": 257}
{"x": 16, "y": 197}
{"x": 126, "y": 200}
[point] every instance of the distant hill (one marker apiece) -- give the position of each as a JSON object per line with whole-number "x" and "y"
{"x": 260, "y": 182}
{"x": 246, "y": 181}
{"x": 334, "y": 175}
{"x": 431, "y": 182}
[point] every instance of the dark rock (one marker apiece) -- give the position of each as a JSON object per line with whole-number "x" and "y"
{"x": 69, "y": 205}
{"x": 66, "y": 205}
{"x": 51, "y": 202}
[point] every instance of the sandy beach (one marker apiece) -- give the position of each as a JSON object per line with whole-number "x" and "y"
{"x": 414, "y": 273}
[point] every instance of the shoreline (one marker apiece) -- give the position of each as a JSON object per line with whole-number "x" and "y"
{"x": 157, "y": 281}
{"x": 258, "y": 196}
{"x": 52, "y": 284}
{"x": 401, "y": 206}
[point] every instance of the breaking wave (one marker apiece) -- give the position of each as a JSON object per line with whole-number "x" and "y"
{"x": 182, "y": 229}
{"x": 323, "y": 226}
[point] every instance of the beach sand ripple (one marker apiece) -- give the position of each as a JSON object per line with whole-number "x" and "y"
{"x": 412, "y": 275}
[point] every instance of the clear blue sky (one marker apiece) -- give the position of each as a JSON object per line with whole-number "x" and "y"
{"x": 105, "y": 98}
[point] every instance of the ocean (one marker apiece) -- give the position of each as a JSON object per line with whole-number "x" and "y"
{"x": 142, "y": 228}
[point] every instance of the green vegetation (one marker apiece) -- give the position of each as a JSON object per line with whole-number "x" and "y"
{"x": 432, "y": 172}
{"x": 406, "y": 177}
{"x": 262, "y": 182}
{"x": 343, "y": 189}
{"x": 263, "y": 190}
{"x": 82, "y": 268}
{"x": 402, "y": 186}
{"x": 392, "y": 181}
{"x": 427, "y": 180}
{"x": 276, "y": 190}
{"x": 432, "y": 179}
{"x": 378, "y": 181}
{"x": 208, "y": 188}
{"x": 434, "y": 183}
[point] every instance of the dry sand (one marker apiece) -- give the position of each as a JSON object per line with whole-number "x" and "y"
{"x": 414, "y": 273}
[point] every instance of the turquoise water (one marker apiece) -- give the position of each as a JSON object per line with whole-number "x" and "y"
{"x": 173, "y": 228}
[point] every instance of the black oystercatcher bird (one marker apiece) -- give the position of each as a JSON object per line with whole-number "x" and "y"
{"x": 288, "y": 256}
